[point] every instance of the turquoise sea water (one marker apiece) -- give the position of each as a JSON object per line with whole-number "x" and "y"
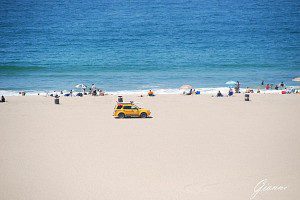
{"x": 138, "y": 44}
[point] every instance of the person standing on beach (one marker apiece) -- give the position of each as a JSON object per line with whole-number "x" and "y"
{"x": 237, "y": 87}
{"x": 93, "y": 87}
{"x": 93, "y": 90}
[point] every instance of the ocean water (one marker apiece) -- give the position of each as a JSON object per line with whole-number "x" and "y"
{"x": 138, "y": 45}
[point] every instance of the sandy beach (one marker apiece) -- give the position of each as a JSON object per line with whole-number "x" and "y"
{"x": 193, "y": 147}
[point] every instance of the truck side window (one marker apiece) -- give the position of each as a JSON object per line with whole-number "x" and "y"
{"x": 127, "y": 107}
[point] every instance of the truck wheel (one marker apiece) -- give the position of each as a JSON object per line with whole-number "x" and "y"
{"x": 121, "y": 115}
{"x": 143, "y": 115}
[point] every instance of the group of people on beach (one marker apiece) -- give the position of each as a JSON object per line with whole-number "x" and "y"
{"x": 248, "y": 90}
{"x": 191, "y": 91}
{"x": 230, "y": 93}
{"x": 270, "y": 86}
{"x": 93, "y": 91}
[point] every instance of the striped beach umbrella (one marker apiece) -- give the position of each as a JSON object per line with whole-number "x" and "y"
{"x": 186, "y": 87}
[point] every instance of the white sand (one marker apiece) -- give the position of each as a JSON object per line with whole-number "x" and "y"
{"x": 194, "y": 147}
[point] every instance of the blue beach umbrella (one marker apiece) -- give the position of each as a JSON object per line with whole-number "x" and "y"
{"x": 231, "y": 83}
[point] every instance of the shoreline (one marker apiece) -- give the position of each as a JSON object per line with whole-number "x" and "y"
{"x": 211, "y": 90}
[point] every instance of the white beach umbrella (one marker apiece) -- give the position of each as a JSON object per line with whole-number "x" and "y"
{"x": 231, "y": 83}
{"x": 297, "y": 79}
{"x": 186, "y": 87}
{"x": 82, "y": 86}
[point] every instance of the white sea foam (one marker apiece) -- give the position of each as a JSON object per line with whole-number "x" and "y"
{"x": 139, "y": 92}
{"x": 9, "y": 93}
{"x": 212, "y": 91}
{"x": 17, "y": 93}
{"x": 178, "y": 91}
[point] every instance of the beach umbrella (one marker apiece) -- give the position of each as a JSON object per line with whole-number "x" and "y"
{"x": 186, "y": 87}
{"x": 82, "y": 86}
{"x": 297, "y": 79}
{"x": 231, "y": 83}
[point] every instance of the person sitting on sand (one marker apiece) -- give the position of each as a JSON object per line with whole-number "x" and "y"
{"x": 101, "y": 92}
{"x": 190, "y": 92}
{"x": 2, "y": 99}
{"x": 219, "y": 94}
{"x": 258, "y": 90}
{"x": 247, "y": 90}
{"x": 151, "y": 93}
{"x": 230, "y": 93}
{"x": 79, "y": 94}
